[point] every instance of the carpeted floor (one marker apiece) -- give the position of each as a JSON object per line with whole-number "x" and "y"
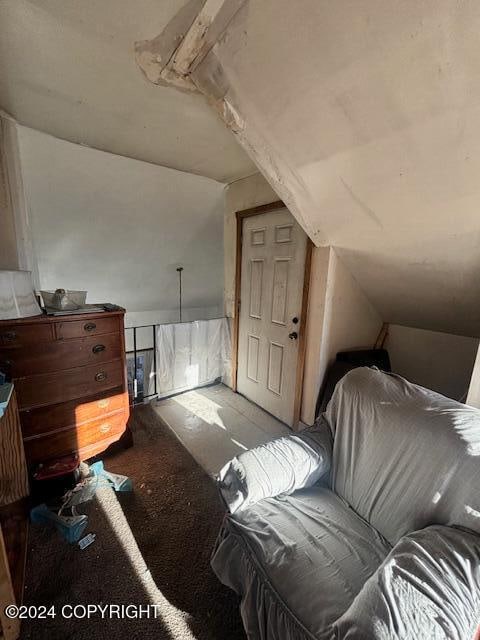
{"x": 152, "y": 547}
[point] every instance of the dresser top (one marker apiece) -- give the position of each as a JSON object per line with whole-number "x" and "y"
{"x": 43, "y": 318}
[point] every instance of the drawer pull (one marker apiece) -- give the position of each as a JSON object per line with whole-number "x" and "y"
{"x": 100, "y": 376}
{"x": 90, "y": 326}
{"x": 8, "y": 336}
{"x": 98, "y": 348}
{"x": 105, "y": 427}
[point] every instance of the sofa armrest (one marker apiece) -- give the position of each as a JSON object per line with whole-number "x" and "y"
{"x": 427, "y": 587}
{"x": 279, "y": 467}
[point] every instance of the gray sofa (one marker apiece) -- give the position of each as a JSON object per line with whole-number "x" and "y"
{"x": 365, "y": 526}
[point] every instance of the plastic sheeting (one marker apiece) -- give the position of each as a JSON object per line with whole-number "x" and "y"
{"x": 192, "y": 354}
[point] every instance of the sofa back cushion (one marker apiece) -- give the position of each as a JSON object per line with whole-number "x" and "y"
{"x": 427, "y": 588}
{"x": 404, "y": 457}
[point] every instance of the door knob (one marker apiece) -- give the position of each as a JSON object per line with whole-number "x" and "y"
{"x": 293, "y": 335}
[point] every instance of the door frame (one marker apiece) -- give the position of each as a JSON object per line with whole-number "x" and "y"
{"x": 302, "y": 338}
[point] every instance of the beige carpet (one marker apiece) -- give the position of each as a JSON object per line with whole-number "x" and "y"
{"x": 152, "y": 547}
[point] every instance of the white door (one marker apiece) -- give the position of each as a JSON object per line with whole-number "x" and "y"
{"x": 273, "y": 264}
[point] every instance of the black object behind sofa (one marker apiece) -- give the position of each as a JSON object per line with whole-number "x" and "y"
{"x": 345, "y": 362}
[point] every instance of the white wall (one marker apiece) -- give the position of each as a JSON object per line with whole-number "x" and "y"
{"x": 119, "y": 227}
{"x": 315, "y": 332}
{"x": 439, "y": 361}
{"x": 473, "y": 397}
{"x": 340, "y": 318}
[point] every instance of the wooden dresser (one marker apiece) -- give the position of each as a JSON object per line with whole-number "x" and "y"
{"x": 70, "y": 379}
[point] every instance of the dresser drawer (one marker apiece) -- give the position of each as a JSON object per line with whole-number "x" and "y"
{"x": 25, "y": 335}
{"x": 61, "y": 386}
{"x": 74, "y": 413}
{"x": 80, "y": 328}
{"x": 96, "y": 434}
{"x": 55, "y": 356}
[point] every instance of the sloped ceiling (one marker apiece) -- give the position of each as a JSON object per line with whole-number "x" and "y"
{"x": 67, "y": 68}
{"x": 365, "y": 117}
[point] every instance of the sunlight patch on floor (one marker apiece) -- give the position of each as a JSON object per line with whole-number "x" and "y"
{"x": 201, "y": 407}
{"x": 175, "y": 621}
{"x": 215, "y": 424}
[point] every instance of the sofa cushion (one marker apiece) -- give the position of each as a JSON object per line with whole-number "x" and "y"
{"x": 428, "y": 588}
{"x": 297, "y": 561}
{"x": 404, "y": 457}
{"x": 281, "y": 466}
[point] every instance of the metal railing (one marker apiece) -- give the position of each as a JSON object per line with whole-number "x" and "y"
{"x": 135, "y": 395}
{"x": 138, "y": 398}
